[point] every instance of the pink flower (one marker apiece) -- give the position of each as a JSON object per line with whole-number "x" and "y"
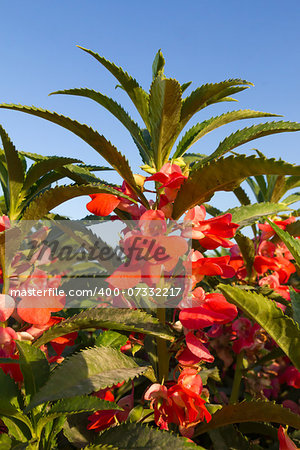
{"x": 8, "y": 337}
{"x": 7, "y": 306}
{"x": 290, "y": 376}
{"x": 245, "y": 333}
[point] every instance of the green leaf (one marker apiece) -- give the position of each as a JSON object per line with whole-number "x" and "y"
{"x": 190, "y": 158}
{"x": 184, "y": 86}
{"x": 224, "y": 175}
{"x": 229, "y": 437}
{"x": 74, "y": 405}
{"x": 292, "y": 244}
{"x": 114, "y": 318}
{"x": 9, "y": 391}
{"x": 111, "y": 339}
{"x": 242, "y": 196}
{"x": 44, "y": 166}
{"x": 295, "y": 301}
{"x": 158, "y": 65}
{"x": 255, "y": 411}
{"x": 134, "y": 435}
{"x": 206, "y": 95}
{"x": 164, "y": 117}
{"x": 53, "y": 197}
{"x": 293, "y": 198}
{"x": 291, "y": 182}
{"x": 276, "y": 187}
{"x": 34, "y": 367}
{"x": 137, "y": 95}
{"x": 15, "y": 171}
{"x": 245, "y": 135}
{"x": 91, "y": 137}
{"x": 248, "y": 214}
{"x": 88, "y": 371}
{"x": 247, "y": 249}
{"x": 264, "y": 311}
{"x": 201, "y": 129}
{"x": 79, "y": 174}
{"x": 16, "y": 429}
{"x": 117, "y": 110}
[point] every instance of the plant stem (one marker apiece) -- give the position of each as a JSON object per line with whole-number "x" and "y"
{"x": 237, "y": 378}
{"x": 162, "y": 350}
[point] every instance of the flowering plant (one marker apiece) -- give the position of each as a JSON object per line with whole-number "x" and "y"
{"x": 193, "y": 338}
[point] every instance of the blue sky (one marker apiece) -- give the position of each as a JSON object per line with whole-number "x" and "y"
{"x": 202, "y": 41}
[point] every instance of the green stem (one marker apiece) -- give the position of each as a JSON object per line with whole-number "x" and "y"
{"x": 162, "y": 350}
{"x": 237, "y": 378}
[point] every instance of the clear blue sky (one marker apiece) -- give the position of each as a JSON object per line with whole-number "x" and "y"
{"x": 202, "y": 41}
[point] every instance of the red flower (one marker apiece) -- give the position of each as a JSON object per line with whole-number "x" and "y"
{"x": 285, "y": 443}
{"x": 210, "y": 233}
{"x": 195, "y": 350}
{"x": 103, "y": 419}
{"x": 171, "y": 178}
{"x": 267, "y": 230}
{"x": 104, "y": 204}
{"x": 213, "y": 309}
{"x": 200, "y": 266}
{"x": 180, "y": 404}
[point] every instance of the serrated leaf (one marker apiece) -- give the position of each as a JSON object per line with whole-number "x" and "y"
{"x": 164, "y": 117}
{"x": 245, "y": 135}
{"x": 53, "y": 197}
{"x": 115, "y": 319}
{"x": 190, "y": 158}
{"x": 292, "y": 182}
{"x": 85, "y": 372}
{"x": 111, "y": 339}
{"x": 158, "y": 65}
{"x": 17, "y": 429}
{"x": 247, "y": 248}
{"x": 79, "y": 174}
{"x": 201, "y": 129}
{"x": 224, "y": 175}
{"x": 292, "y": 244}
{"x": 295, "y": 301}
{"x": 184, "y": 86}
{"x": 207, "y": 94}
{"x": 137, "y": 95}
{"x": 248, "y": 214}
{"x": 15, "y": 171}
{"x": 134, "y": 435}
{"x": 44, "y": 166}
{"x": 117, "y": 110}
{"x": 91, "y": 137}
{"x": 293, "y": 198}
{"x": 34, "y": 367}
{"x": 264, "y": 311}
{"x": 74, "y": 405}
{"x": 256, "y": 411}
{"x": 242, "y": 196}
